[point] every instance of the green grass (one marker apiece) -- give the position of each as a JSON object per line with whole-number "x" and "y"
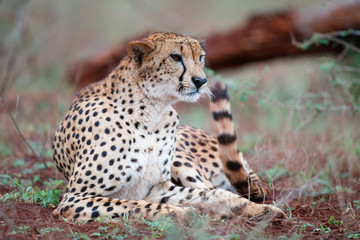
{"x": 46, "y": 197}
{"x": 275, "y": 173}
{"x": 38, "y": 166}
{"x": 19, "y": 229}
{"x": 45, "y": 231}
{"x": 354, "y": 236}
{"x": 5, "y": 151}
{"x": 78, "y": 236}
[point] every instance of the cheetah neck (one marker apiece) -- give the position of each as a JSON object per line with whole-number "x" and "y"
{"x": 133, "y": 99}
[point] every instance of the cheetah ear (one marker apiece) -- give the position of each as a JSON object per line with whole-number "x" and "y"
{"x": 138, "y": 49}
{"x": 202, "y": 44}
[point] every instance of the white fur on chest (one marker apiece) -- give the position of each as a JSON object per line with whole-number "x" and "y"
{"x": 154, "y": 155}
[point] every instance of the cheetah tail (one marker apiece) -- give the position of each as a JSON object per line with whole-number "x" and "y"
{"x": 235, "y": 167}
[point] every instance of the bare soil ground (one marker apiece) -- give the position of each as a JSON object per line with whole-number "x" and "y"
{"x": 329, "y": 216}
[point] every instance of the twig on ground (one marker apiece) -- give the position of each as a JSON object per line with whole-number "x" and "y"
{"x": 343, "y": 54}
{"x": 332, "y": 36}
{"x": 350, "y": 69}
{"x": 306, "y": 109}
{"x": 341, "y": 42}
{"x": 20, "y": 133}
{"x": 5, "y": 79}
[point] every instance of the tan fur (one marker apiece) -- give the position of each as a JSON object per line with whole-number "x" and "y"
{"x": 117, "y": 143}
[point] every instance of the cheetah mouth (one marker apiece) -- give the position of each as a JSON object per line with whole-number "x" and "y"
{"x": 191, "y": 94}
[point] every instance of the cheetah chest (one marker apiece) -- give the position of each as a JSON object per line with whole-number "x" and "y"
{"x": 154, "y": 157}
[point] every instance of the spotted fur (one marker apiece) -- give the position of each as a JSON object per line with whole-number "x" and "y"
{"x": 236, "y": 168}
{"x": 215, "y": 162}
{"x": 117, "y": 145}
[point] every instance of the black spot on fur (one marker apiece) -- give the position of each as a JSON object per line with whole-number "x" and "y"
{"x": 177, "y": 164}
{"x": 79, "y": 209}
{"x": 164, "y": 199}
{"x": 95, "y": 214}
{"x": 191, "y": 179}
{"x": 222, "y": 114}
{"x": 233, "y": 166}
{"x": 219, "y": 92}
{"x": 241, "y": 186}
{"x": 226, "y": 138}
{"x": 110, "y": 188}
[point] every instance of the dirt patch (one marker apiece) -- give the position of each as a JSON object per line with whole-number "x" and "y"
{"x": 38, "y": 218}
{"x": 309, "y": 218}
{"x": 330, "y": 216}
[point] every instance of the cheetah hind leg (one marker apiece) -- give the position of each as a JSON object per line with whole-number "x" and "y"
{"x": 79, "y": 208}
{"x": 235, "y": 167}
{"x": 218, "y": 201}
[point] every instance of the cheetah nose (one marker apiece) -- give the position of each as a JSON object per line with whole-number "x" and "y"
{"x": 198, "y": 81}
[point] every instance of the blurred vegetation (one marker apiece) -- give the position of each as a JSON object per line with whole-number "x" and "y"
{"x": 297, "y": 119}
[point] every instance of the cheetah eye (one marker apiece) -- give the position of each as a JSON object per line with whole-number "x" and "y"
{"x": 201, "y": 58}
{"x": 176, "y": 57}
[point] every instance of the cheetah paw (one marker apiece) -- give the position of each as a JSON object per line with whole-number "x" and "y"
{"x": 258, "y": 212}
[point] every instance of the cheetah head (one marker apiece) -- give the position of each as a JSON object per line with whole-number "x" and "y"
{"x": 170, "y": 67}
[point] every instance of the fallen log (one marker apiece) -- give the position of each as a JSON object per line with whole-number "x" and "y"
{"x": 262, "y": 37}
{"x": 265, "y": 37}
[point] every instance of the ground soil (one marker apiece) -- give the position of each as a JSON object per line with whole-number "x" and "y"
{"x": 305, "y": 210}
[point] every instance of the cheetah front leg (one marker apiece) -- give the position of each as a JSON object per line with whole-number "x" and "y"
{"x": 221, "y": 202}
{"x": 80, "y": 208}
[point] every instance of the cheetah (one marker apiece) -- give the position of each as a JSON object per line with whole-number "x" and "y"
{"x": 120, "y": 144}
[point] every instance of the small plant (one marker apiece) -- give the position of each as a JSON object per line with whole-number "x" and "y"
{"x": 332, "y": 220}
{"x": 46, "y": 197}
{"x": 78, "y": 236}
{"x": 40, "y": 150}
{"x": 276, "y": 172}
{"x": 307, "y": 176}
{"x": 289, "y": 210}
{"x": 105, "y": 219}
{"x": 37, "y": 167}
{"x": 304, "y": 226}
{"x": 44, "y": 231}
{"x": 53, "y": 183}
{"x": 20, "y": 229}
{"x": 107, "y": 233}
{"x": 19, "y": 162}
{"x": 356, "y": 204}
{"x": 102, "y": 233}
{"x": 354, "y": 236}
{"x": 5, "y": 151}
{"x": 13, "y": 181}
{"x": 322, "y": 230}
{"x": 234, "y": 236}
{"x": 199, "y": 227}
{"x": 160, "y": 226}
